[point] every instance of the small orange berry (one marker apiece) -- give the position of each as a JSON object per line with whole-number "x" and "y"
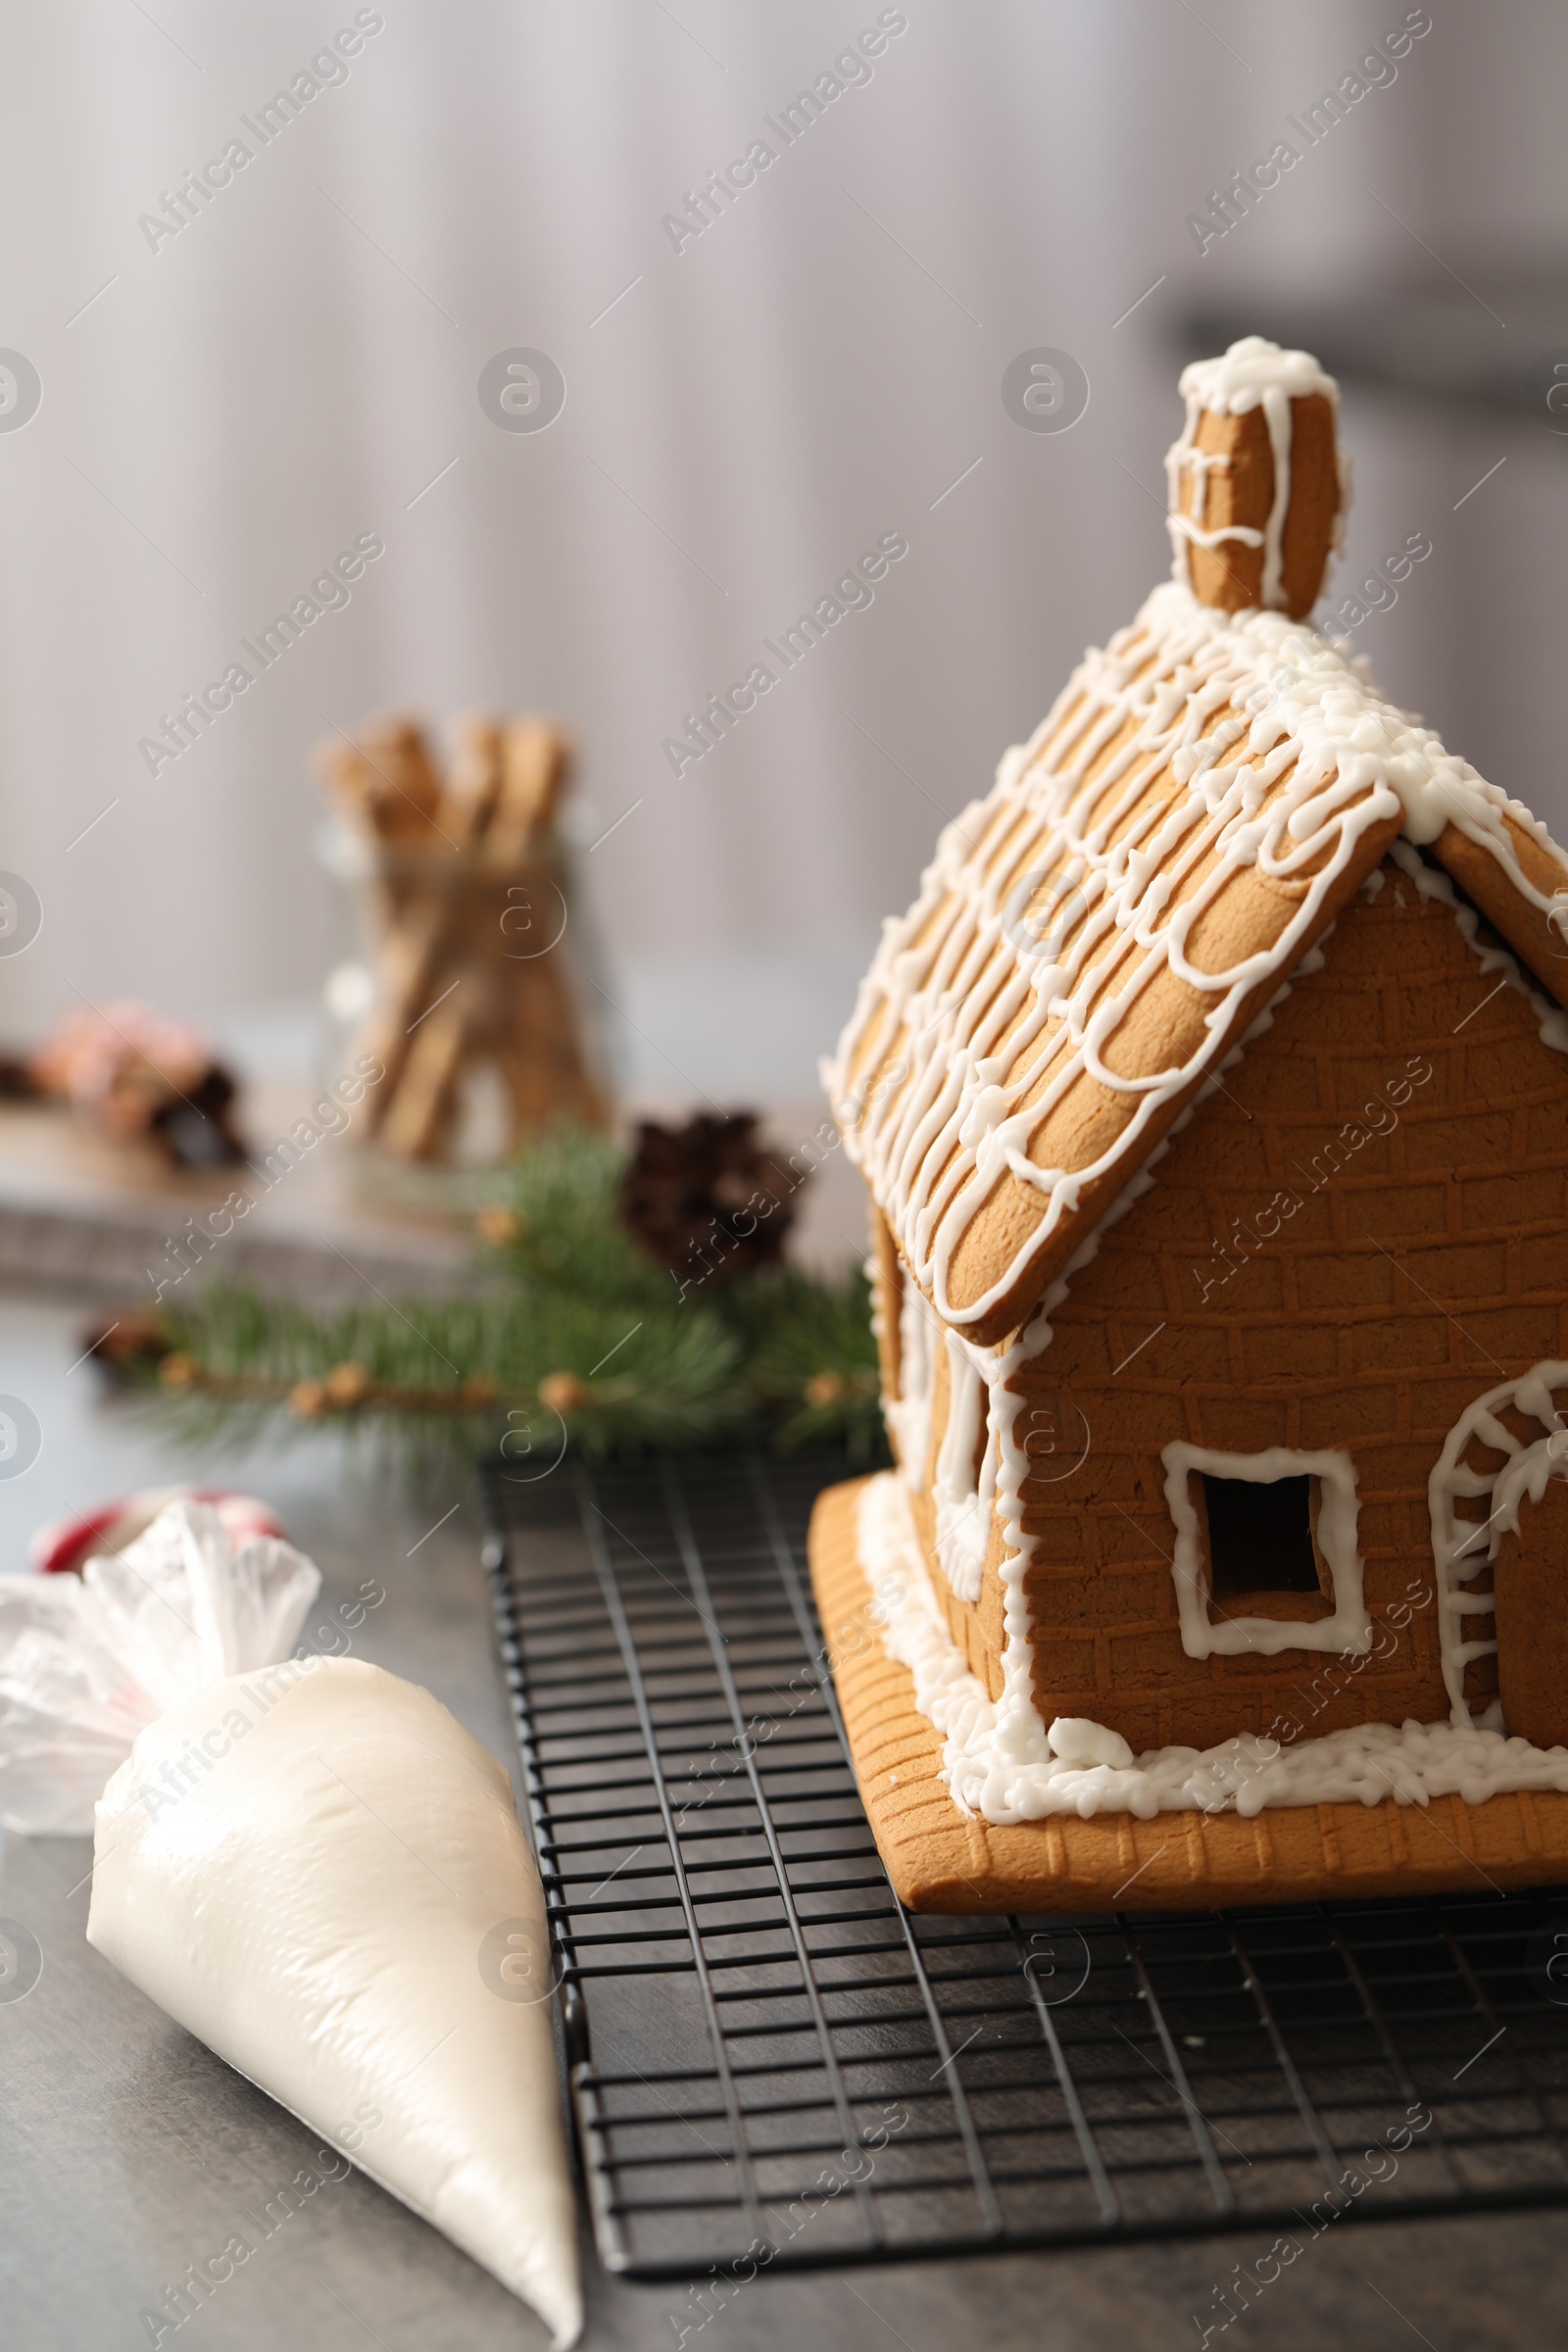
{"x": 564, "y": 1393}
{"x": 498, "y": 1225}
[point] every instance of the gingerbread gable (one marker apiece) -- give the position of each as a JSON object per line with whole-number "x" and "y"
{"x": 1363, "y": 1231}
{"x": 1093, "y": 938}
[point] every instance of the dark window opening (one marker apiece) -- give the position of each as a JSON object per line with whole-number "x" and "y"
{"x": 1259, "y": 1537}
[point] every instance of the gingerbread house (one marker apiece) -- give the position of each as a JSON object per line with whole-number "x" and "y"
{"x": 1213, "y": 1106}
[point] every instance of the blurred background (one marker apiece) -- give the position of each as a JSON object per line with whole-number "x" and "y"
{"x": 212, "y": 391}
{"x": 755, "y": 392}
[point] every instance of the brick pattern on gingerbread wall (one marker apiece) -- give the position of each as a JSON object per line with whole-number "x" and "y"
{"x": 1420, "y": 1267}
{"x": 943, "y": 1860}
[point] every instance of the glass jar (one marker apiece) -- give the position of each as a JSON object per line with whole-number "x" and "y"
{"x": 472, "y": 995}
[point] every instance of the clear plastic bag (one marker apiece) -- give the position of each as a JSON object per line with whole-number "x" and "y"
{"x": 86, "y": 1663}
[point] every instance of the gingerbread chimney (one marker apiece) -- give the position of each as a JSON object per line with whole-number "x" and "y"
{"x": 1257, "y": 487}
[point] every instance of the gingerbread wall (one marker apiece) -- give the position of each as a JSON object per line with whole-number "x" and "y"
{"x": 1421, "y": 1265}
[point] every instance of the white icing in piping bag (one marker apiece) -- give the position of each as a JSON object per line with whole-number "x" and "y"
{"x": 306, "y": 1867}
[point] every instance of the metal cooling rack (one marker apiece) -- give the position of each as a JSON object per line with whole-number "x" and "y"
{"x": 766, "y": 2052}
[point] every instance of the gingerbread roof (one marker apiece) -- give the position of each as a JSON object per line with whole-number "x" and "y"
{"x": 1096, "y": 937}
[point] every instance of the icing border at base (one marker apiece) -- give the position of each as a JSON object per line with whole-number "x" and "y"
{"x": 999, "y": 1760}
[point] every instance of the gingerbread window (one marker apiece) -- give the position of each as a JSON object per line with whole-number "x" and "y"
{"x": 916, "y": 1336}
{"x": 1277, "y": 1528}
{"x": 965, "y": 1482}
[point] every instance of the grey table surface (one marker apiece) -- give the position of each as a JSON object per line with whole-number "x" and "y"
{"x": 128, "y": 2151}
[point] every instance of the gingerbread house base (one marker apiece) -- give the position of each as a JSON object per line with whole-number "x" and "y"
{"x": 940, "y": 1859}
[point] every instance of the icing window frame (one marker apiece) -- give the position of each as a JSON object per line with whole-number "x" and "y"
{"x": 1346, "y": 1627}
{"x": 962, "y": 1479}
{"x": 963, "y": 1484}
{"x": 908, "y": 1411}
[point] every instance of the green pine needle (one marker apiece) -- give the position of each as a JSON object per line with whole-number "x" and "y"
{"x": 568, "y": 1306}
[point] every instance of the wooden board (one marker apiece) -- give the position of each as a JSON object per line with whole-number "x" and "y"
{"x": 941, "y": 1860}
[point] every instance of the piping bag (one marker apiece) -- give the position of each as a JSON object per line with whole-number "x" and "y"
{"x": 310, "y": 1865}
{"x": 316, "y": 1870}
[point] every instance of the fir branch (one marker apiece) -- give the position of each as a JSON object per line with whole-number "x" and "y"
{"x": 576, "y": 1340}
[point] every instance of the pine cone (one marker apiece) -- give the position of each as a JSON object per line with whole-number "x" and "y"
{"x": 708, "y": 1199}
{"x": 129, "y": 1341}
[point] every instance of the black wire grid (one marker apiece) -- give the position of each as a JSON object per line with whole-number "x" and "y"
{"x": 765, "y": 2050}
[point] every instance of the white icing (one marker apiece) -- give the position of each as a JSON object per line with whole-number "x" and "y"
{"x": 1077, "y": 1742}
{"x": 1524, "y": 1479}
{"x": 317, "y": 1903}
{"x": 1009, "y": 1771}
{"x": 1253, "y": 374}
{"x": 1463, "y": 1549}
{"x": 908, "y": 1413}
{"x": 964, "y": 1496}
{"x": 1204, "y": 1635}
{"x": 1049, "y": 909}
{"x": 1250, "y": 372}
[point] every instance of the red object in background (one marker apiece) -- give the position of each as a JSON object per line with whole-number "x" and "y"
{"x": 67, "y": 1544}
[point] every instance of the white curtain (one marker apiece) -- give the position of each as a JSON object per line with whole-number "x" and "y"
{"x": 226, "y": 408}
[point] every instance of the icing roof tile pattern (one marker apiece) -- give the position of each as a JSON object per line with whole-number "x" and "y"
{"x": 1096, "y": 936}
